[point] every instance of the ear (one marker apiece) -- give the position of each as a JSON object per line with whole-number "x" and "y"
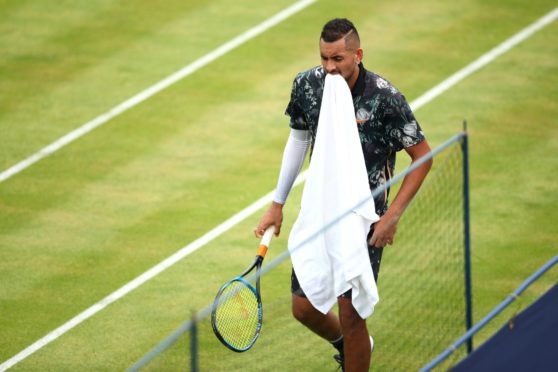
{"x": 359, "y": 53}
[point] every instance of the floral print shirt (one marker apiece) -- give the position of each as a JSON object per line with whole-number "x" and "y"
{"x": 385, "y": 121}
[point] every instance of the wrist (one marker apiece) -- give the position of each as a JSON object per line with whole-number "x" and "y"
{"x": 393, "y": 213}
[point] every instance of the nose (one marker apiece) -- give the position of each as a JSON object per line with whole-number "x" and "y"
{"x": 330, "y": 67}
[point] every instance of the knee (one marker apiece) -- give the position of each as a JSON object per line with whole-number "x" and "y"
{"x": 351, "y": 322}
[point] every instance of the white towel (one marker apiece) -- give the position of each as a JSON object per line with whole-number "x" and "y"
{"x": 337, "y": 260}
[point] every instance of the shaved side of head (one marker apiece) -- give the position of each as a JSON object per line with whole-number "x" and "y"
{"x": 339, "y": 28}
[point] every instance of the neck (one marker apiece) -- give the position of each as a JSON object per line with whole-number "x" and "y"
{"x": 352, "y": 81}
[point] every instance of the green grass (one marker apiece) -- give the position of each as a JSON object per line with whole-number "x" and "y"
{"x": 86, "y": 220}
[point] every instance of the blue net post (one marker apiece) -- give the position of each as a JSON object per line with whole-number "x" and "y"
{"x": 467, "y": 236}
{"x": 194, "y": 365}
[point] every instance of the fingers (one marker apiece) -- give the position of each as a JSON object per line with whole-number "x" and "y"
{"x": 373, "y": 240}
{"x": 273, "y": 216}
{"x": 380, "y": 241}
{"x": 259, "y": 230}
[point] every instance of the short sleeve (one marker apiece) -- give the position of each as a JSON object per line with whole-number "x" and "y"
{"x": 402, "y": 128}
{"x": 294, "y": 108}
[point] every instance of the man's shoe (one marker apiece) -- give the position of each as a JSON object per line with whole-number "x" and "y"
{"x": 340, "y": 360}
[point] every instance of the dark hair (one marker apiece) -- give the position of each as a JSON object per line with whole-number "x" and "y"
{"x": 338, "y": 28}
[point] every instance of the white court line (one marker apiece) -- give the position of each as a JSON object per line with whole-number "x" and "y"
{"x": 154, "y": 89}
{"x": 485, "y": 59}
{"x": 146, "y": 276}
{"x": 237, "y": 218}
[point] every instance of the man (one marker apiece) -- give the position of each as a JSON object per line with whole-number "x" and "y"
{"x": 386, "y": 125}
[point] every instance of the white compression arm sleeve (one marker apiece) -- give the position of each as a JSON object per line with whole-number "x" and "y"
{"x": 293, "y": 159}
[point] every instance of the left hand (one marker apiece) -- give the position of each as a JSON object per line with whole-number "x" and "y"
{"x": 384, "y": 231}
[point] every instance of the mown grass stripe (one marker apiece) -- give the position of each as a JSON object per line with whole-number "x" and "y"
{"x": 154, "y": 89}
{"x": 417, "y": 103}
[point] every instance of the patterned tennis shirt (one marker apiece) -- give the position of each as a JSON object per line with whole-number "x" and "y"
{"x": 386, "y": 123}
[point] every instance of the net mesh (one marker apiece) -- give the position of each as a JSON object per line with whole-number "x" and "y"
{"x": 421, "y": 286}
{"x": 421, "y": 283}
{"x": 237, "y": 314}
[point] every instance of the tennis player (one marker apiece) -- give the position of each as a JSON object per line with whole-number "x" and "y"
{"x": 386, "y": 126}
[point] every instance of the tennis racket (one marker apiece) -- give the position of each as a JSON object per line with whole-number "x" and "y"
{"x": 237, "y": 313}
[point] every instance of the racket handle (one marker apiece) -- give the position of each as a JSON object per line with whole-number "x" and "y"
{"x": 262, "y": 250}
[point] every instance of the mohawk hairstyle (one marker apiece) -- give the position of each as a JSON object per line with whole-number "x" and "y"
{"x": 338, "y": 28}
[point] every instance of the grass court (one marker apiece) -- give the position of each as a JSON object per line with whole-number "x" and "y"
{"x": 86, "y": 220}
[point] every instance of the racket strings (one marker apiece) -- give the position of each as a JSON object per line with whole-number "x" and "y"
{"x": 238, "y": 315}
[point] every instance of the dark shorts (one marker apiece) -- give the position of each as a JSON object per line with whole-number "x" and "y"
{"x": 375, "y": 255}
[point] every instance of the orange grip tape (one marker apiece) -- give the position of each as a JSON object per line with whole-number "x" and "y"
{"x": 262, "y": 250}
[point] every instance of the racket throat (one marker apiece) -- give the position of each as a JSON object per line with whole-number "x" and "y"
{"x": 258, "y": 292}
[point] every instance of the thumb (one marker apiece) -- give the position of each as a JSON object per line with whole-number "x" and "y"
{"x": 373, "y": 239}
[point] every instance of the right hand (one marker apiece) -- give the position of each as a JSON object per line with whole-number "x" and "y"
{"x": 273, "y": 216}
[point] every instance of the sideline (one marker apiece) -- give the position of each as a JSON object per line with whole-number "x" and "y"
{"x": 154, "y": 89}
{"x": 237, "y": 218}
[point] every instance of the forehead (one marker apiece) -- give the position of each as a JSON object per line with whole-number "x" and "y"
{"x": 334, "y": 48}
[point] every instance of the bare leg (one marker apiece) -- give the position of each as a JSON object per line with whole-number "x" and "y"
{"x": 356, "y": 338}
{"x": 324, "y": 325}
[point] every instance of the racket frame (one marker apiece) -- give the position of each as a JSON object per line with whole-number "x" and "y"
{"x": 262, "y": 250}
{"x": 214, "y": 312}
